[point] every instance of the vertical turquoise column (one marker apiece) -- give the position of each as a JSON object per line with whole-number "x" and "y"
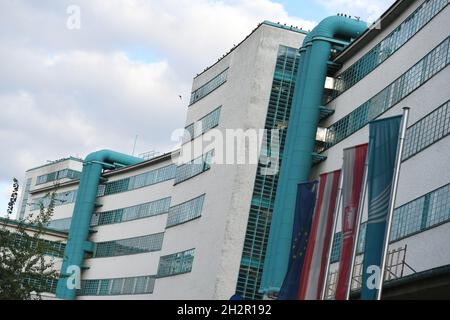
{"x": 77, "y": 242}
{"x": 300, "y": 140}
{"x": 272, "y": 251}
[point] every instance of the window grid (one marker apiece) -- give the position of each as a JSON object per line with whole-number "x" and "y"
{"x": 139, "y": 181}
{"x": 175, "y": 264}
{"x": 60, "y": 199}
{"x": 439, "y": 207}
{"x": 209, "y": 87}
{"x": 25, "y": 198}
{"x": 185, "y": 212}
{"x": 44, "y": 284}
{"x": 387, "y": 47}
{"x": 202, "y": 126}
{"x": 60, "y": 224}
{"x": 336, "y": 250}
{"x": 56, "y": 249}
{"x": 117, "y": 286}
{"x": 105, "y": 287}
{"x": 130, "y": 246}
{"x": 416, "y": 216}
{"x": 58, "y": 175}
{"x": 427, "y": 131}
{"x": 430, "y": 65}
{"x": 120, "y": 286}
{"x": 260, "y": 215}
{"x": 131, "y": 213}
{"x": 194, "y": 167}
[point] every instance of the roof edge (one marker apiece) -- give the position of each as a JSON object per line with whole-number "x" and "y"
{"x": 374, "y": 29}
{"x": 265, "y": 22}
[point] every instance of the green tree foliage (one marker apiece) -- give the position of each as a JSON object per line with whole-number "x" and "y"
{"x": 26, "y": 262}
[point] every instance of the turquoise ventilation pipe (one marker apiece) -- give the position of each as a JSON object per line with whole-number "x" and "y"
{"x": 301, "y": 138}
{"x": 77, "y": 243}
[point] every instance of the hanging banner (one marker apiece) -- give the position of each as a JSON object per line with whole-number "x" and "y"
{"x": 383, "y": 143}
{"x": 306, "y": 199}
{"x": 353, "y": 176}
{"x": 313, "y": 272}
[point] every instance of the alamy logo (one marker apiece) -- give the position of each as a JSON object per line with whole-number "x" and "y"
{"x": 74, "y": 279}
{"x": 74, "y": 19}
{"x": 374, "y": 280}
{"x": 231, "y": 147}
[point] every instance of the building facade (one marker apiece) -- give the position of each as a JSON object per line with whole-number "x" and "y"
{"x": 402, "y": 65}
{"x": 159, "y": 225}
{"x": 197, "y": 229}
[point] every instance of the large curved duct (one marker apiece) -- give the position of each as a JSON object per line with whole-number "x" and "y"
{"x": 77, "y": 243}
{"x": 301, "y": 138}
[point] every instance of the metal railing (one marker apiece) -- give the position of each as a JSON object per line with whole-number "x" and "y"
{"x": 149, "y": 155}
{"x": 396, "y": 266}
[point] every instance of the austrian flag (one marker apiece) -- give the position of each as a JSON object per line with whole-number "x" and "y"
{"x": 353, "y": 175}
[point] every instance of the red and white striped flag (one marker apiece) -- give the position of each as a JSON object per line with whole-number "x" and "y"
{"x": 313, "y": 272}
{"x": 353, "y": 176}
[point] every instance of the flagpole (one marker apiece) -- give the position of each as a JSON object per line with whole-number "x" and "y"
{"x": 330, "y": 245}
{"x": 398, "y": 163}
{"x": 362, "y": 201}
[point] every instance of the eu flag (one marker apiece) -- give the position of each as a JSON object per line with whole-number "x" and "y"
{"x": 304, "y": 210}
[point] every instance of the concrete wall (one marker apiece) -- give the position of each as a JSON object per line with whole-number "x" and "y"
{"x": 218, "y": 236}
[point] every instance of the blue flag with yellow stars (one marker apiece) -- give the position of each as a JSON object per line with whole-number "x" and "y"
{"x": 304, "y": 210}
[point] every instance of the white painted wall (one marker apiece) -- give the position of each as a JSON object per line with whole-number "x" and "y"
{"x": 218, "y": 236}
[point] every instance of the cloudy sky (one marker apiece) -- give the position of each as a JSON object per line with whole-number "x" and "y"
{"x": 67, "y": 92}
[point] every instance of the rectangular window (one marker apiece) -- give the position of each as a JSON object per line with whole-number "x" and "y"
{"x": 177, "y": 263}
{"x": 416, "y": 216}
{"x": 105, "y": 287}
{"x": 60, "y": 199}
{"x": 91, "y": 287}
{"x": 139, "y": 181}
{"x": 209, "y": 87}
{"x": 194, "y": 167}
{"x": 421, "y": 214}
{"x": 45, "y": 284}
{"x": 202, "y": 126}
{"x": 337, "y": 245}
{"x": 117, "y": 186}
{"x": 26, "y": 195}
{"x": 130, "y": 246}
{"x": 438, "y": 207}
{"x": 58, "y": 175}
{"x": 53, "y": 248}
{"x": 60, "y": 224}
{"x": 128, "y": 286}
{"x": 131, "y": 213}
{"x": 438, "y": 59}
{"x": 120, "y": 286}
{"x": 185, "y": 212}
{"x": 427, "y": 131}
{"x": 388, "y": 46}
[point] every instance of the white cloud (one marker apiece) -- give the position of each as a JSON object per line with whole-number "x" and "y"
{"x": 84, "y": 101}
{"x": 368, "y": 10}
{"x": 66, "y": 92}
